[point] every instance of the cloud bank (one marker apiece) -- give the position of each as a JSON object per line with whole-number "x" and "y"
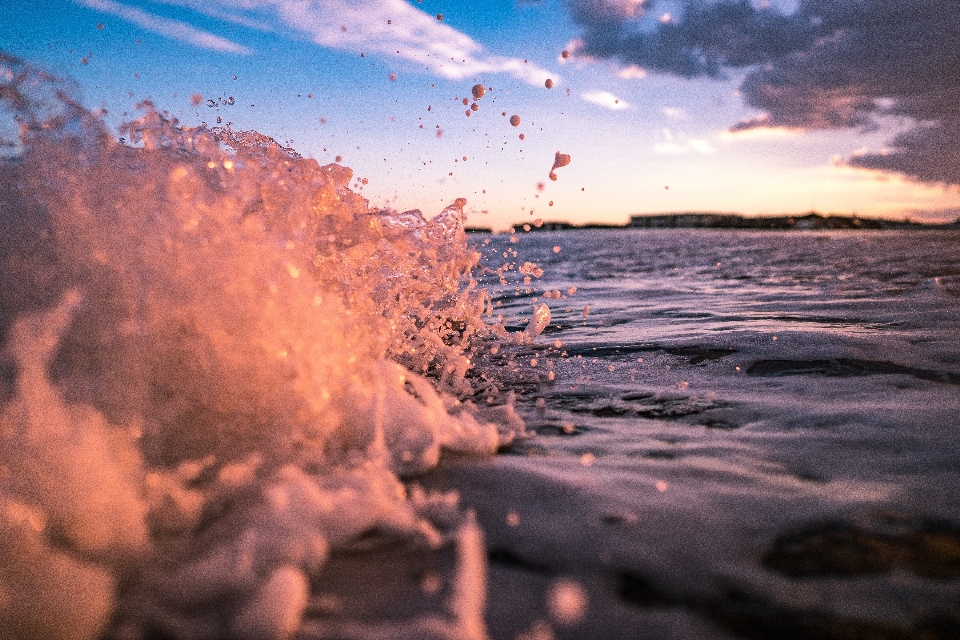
{"x": 828, "y": 64}
{"x": 388, "y": 28}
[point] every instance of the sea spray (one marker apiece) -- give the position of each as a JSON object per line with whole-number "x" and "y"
{"x": 217, "y": 364}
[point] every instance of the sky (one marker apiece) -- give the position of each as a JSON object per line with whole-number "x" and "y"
{"x": 750, "y": 106}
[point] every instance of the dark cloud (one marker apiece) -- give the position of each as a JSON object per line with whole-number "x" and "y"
{"x": 830, "y": 63}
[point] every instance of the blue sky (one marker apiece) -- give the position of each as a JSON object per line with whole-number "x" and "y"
{"x": 719, "y": 105}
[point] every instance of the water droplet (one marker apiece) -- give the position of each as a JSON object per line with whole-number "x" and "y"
{"x": 568, "y": 601}
{"x": 559, "y": 160}
{"x": 515, "y": 120}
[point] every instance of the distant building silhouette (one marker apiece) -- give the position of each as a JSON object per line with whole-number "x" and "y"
{"x": 812, "y": 220}
{"x": 714, "y": 220}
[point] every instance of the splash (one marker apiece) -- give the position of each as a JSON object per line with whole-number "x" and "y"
{"x": 218, "y": 363}
{"x": 559, "y": 160}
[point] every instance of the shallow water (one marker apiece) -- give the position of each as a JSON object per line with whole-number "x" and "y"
{"x": 748, "y": 435}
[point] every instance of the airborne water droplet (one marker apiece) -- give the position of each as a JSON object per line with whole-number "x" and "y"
{"x": 559, "y": 160}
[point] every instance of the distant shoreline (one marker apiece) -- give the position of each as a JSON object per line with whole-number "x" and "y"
{"x": 812, "y": 221}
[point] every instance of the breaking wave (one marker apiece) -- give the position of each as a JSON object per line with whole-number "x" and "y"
{"x": 218, "y": 365}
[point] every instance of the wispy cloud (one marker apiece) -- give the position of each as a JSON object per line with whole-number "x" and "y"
{"x": 760, "y": 133}
{"x": 397, "y": 29}
{"x": 675, "y": 144}
{"x": 605, "y": 99}
{"x": 632, "y": 72}
{"x": 167, "y": 27}
{"x": 387, "y": 28}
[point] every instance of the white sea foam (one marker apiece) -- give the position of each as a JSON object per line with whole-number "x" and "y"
{"x": 217, "y": 364}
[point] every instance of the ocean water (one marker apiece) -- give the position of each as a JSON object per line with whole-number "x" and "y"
{"x": 739, "y": 434}
{"x": 237, "y": 402}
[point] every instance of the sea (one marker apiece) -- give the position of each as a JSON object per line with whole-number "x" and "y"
{"x": 238, "y": 402}
{"x": 746, "y": 434}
